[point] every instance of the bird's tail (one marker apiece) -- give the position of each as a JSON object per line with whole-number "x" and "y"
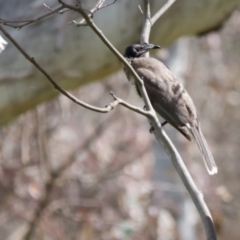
{"x": 204, "y": 149}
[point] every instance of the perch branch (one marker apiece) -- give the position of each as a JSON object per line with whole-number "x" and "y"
{"x": 159, "y": 133}
{"x": 164, "y": 140}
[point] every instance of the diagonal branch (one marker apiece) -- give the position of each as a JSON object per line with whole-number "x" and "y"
{"x": 162, "y": 10}
{"x": 164, "y": 140}
{"x": 56, "y": 86}
{"x": 22, "y": 23}
{"x": 160, "y": 135}
{"x": 108, "y": 108}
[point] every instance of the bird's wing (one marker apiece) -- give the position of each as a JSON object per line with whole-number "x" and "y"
{"x": 172, "y": 102}
{"x": 167, "y": 95}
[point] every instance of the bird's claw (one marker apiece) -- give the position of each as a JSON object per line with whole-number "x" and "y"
{"x": 163, "y": 123}
{"x": 151, "y": 129}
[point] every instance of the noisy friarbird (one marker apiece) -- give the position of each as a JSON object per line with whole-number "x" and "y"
{"x": 168, "y": 97}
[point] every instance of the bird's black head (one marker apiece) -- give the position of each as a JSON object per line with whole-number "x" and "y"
{"x": 137, "y": 50}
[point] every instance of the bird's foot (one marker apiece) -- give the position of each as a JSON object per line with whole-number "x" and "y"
{"x": 163, "y": 123}
{"x": 152, "y": 127}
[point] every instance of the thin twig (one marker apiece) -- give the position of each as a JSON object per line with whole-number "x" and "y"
{"x": 162, "y": 10}
{"x": 56, "y": 86}
{"x": 46, "y": 6}
{"x": 131, "y": 107}
{"x": 108, "y": 4}
{"x": 22, "y": 23}
{"x": 98, "y": 7}
{"x": 140, "y": 9}
{"x": 91, "y": 13}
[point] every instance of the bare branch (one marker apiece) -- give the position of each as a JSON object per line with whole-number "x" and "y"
{"x": 98, "y": 7}
{"x": 140, "y": 9}
{"x": 164, "y": 140}
{"x": 46, "y": 6}
{"x": 108, "y": 4}
{"x": 146, "y": 25}
{"x": 162, "y": 10}
{"x": 22, "y": 23}
{"x": 131, "y": 107}
{"x": 56, "y": 86}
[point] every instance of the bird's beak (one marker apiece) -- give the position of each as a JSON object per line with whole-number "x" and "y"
{"x": 155, "y": 46}
{"x": 148, "y": 46}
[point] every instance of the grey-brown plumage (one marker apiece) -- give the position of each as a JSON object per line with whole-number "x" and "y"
{"x": 168, "y": 97}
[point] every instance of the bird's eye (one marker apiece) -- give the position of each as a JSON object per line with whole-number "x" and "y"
{"x": 138, "y": 49}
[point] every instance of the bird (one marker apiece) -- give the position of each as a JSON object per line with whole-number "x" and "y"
{"x": 168, "y": 97}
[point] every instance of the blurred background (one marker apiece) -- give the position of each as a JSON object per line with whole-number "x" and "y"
{"x": 70, "y": 173}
